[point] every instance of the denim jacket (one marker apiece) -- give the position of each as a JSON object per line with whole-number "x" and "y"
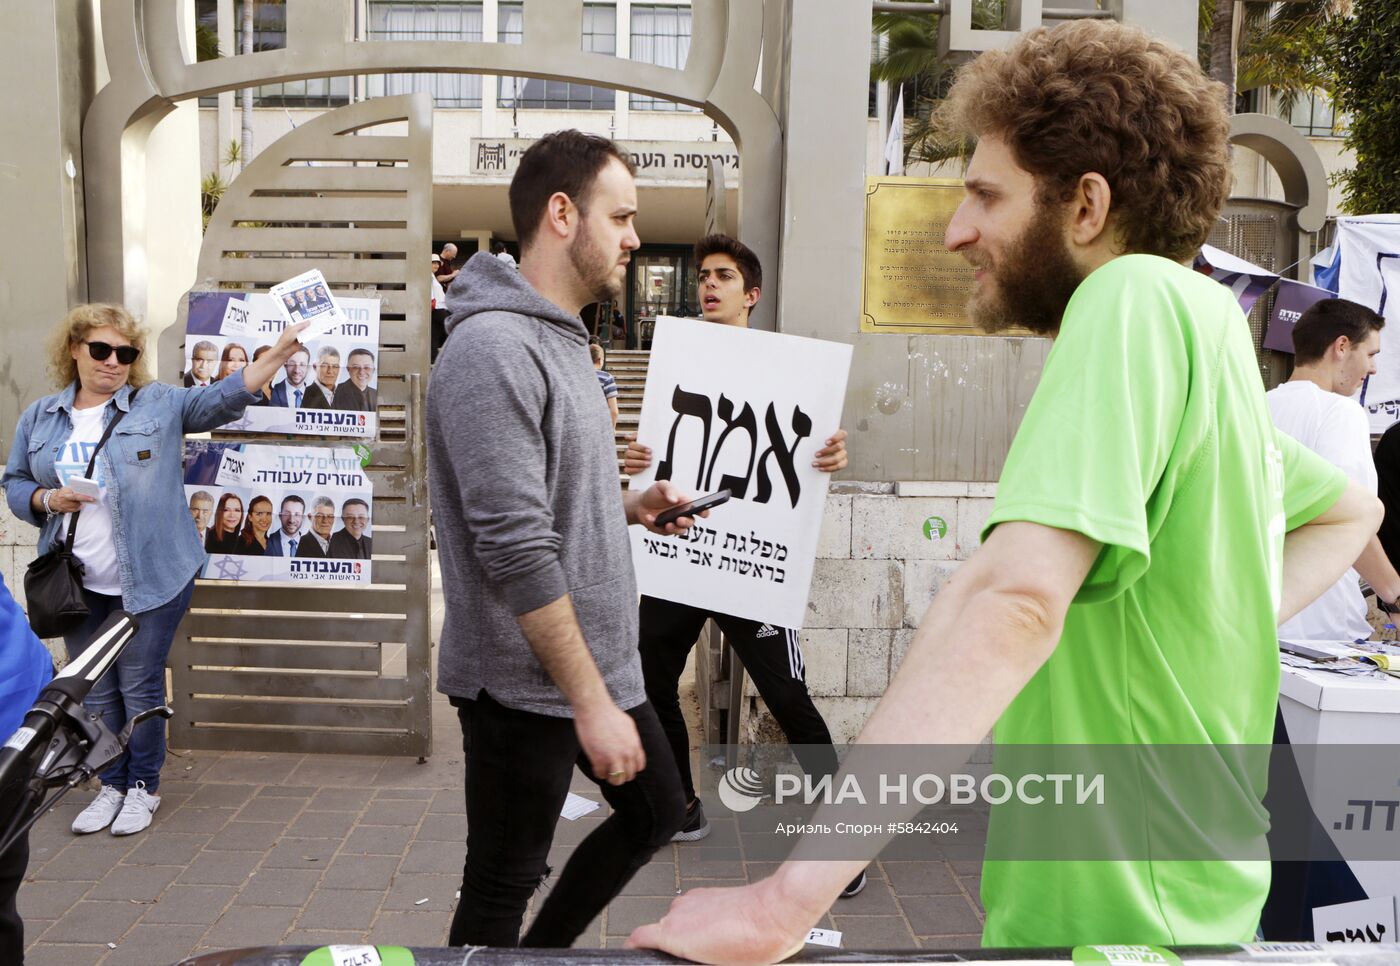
{"x": 158, "y": 550}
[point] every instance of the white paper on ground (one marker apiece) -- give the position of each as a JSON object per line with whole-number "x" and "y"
{"x": 576, "y": 806}
{"x": 824, "y": 937}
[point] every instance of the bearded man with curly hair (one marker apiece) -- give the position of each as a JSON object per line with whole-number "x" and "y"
{"x": 1150, "y": 529}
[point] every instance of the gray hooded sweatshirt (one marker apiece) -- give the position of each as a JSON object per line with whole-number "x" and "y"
{"x": 525, "y": 496}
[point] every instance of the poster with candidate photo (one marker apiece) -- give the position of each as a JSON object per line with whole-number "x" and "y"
{"x": 329, "y": 389}
{"x": 280, "y": 514}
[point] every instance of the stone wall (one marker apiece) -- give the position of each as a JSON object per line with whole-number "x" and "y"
{"x": 885, "y": 550}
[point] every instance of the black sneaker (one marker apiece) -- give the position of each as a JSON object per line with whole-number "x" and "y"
{"x": 854, "y": 887}
{"x": 696, "y": 826}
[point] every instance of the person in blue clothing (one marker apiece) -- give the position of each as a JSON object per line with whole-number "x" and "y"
{"x": 25, "y": 667}
{"x": 134, "y": 558}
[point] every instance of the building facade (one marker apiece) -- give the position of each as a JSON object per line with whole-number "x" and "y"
{"x": 481, "y": 123}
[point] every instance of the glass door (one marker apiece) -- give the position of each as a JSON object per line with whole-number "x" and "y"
{"x": 662, "y": 284}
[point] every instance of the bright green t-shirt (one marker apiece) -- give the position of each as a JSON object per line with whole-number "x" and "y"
{"x": 1149, "y": 433}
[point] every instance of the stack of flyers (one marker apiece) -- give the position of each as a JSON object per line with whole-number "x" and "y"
{"x": 307, "y": 298}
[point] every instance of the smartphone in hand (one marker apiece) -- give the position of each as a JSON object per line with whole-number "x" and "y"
{"x": 707, "y": 502}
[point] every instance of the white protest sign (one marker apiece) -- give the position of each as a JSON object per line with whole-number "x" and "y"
{"x": 1364, "y": 921}
{"x": 743, "y": 410}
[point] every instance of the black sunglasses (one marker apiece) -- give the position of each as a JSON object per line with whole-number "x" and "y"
{"x": 126, "y": 354}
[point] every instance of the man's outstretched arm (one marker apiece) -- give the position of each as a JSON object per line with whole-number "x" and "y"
{"x": 990, "y": 628}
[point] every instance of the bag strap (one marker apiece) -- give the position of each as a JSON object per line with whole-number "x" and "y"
{"x": 92, "y": 463}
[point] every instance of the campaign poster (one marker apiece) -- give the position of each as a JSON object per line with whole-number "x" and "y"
{"x": 746, "y": 411}
{"x": 1368, "y": 249}
{"x": 1247, "y": 280}
{"x": 331, "y": 388}
{"x": 280, "y": 514}
{"x": 1290, "y": 302}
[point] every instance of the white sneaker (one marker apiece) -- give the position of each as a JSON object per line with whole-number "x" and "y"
{"x": 136, "y": 812}
{"x": 99, "y": 814}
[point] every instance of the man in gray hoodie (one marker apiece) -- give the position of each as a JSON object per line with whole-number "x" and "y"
{"x": 539, "y": 642}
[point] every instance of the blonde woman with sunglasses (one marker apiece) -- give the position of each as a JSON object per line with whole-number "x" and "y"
{"x": 133, "y": 558}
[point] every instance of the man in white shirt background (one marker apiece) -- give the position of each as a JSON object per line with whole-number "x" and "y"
{"x": 1335, "y": 345}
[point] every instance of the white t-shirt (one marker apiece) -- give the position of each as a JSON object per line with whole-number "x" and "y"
{"x": 439, "y": 296}
{"x": 1335, "y": 428}
{"x": 95, "y": 543}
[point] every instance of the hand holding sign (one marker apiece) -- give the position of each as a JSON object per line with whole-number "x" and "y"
{"x": 738, "y": 410}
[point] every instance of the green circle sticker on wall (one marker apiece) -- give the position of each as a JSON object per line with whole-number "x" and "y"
{"x": 935, "y": 528}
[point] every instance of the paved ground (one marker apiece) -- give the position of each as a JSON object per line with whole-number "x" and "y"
{"x": 250, "y": 849}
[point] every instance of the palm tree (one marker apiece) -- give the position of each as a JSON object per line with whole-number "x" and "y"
{"x": 1280, "y": 46}
{"x": 1222, "y": 46}
{"x": 910, "y": 57}
{"x": 247, "y": 92}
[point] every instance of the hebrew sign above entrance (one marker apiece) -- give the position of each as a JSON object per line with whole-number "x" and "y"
{"x": 655, "y": 160}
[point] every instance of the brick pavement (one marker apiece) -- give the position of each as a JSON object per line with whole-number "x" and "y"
{"x": 250, "y": 849}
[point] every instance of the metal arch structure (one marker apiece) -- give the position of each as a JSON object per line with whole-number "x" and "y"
{"x": 1299, "y": 169}
{"x": 276, "y": 668}
{"x": 151, "y": 70}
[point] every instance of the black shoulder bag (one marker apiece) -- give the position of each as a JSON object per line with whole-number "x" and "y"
{"x": 53, "y": 584}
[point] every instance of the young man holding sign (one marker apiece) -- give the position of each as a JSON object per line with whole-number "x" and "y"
{"x": 730, "y": 281}
{"x": 539, "y": 642}
{"x": 1139, "y": 540}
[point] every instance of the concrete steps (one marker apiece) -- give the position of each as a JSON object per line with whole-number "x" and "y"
{"x": 629, "y": 369}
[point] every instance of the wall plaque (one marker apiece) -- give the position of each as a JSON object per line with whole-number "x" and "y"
{"x": 911, "y": 282}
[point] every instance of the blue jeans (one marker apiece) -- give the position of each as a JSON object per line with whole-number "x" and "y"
{"x": 136, "y": 682}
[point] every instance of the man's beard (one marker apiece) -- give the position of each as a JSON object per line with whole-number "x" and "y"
{"x": 1034, "y": 281}
{"x": 596, "y": 270}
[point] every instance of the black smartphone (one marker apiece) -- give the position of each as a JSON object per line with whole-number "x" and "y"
{"x": 707, "y": 502}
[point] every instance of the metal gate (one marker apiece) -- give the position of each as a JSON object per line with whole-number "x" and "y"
{"x": 280, "y": 668}
{"x": 1263, "y": 232}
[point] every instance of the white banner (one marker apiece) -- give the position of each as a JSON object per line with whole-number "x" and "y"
{"x": 331, "y": 389}
{"x": 743, "y": 410}
{"x": 280, "y": 514}
{"x": 1369, "y": 249}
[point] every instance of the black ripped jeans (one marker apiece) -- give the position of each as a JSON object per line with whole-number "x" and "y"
{"x": 518, "y": 770}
